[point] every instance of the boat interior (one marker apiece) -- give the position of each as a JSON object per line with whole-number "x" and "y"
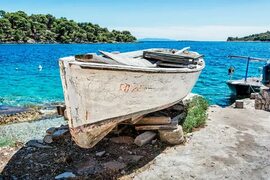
{"x": 151, "y": 58}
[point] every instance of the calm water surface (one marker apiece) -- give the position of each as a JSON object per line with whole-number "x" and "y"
{"x": 22, "y": 83}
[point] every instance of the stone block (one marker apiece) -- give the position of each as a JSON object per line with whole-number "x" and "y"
{"x": 239, "y": 104}
{"x": 144, "y": 138}
{"x": 253, "y": 95}
{"x": 172, "y": 136}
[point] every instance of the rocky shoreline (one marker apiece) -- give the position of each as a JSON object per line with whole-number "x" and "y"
{"x": 15, "y": 114}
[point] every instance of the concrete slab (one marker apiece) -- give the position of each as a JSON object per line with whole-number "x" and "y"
{"x": 235, "y": 144}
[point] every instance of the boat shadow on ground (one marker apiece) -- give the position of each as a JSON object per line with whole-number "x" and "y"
{"x": 106, "y": 160}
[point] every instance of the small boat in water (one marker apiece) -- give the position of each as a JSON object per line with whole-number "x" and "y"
{"x": 103, "y": 90}
{"x": 244, "y": 87}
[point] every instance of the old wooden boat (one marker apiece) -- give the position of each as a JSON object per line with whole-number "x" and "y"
{"x": 103, "y": 90}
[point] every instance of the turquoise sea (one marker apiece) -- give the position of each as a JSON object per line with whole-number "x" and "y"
{"x": 22, "y": 83}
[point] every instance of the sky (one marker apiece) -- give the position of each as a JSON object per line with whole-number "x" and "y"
{"x": 205, "y": 20}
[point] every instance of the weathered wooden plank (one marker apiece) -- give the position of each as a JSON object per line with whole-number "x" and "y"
{"x": 94, "y": 58}
{"x": 155, "y": 127}
{"x": 128, "y": 60}
{"x": 169, "y": 57}
{"x": 139, "y": 53}
{"x": 132, "y": 120}
{"x": 61, "y": 110}
{"x": 172, "y": 125}
{"x": 166, "y": 64}
{"x": 154, "y": 120}
{"x": 166, "y": 57}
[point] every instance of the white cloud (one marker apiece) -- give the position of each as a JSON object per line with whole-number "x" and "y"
{"x": 203, "y": 33}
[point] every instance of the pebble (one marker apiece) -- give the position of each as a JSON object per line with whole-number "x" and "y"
{"x": 28, "y": 156}
{"x": 129, "y": 152}
{"x": 48, "y": 139}
{"x": 51, "y": 130}
{"x": 65, "y": 175}
{"x": 101, "y": 153}
{"x": 154, "y": 141}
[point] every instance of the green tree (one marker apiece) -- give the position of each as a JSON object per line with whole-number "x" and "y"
{"x": 18, "y": 26}
{"x": 2, "y": 13}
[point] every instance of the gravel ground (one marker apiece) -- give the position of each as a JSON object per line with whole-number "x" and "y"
{"x": 235, "y": 144}
{"x": 25, "y": 131}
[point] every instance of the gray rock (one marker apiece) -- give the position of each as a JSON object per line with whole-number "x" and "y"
{"x": 131, "y": 158}
{"x": 35, "y": 143}
{"x": 144, "y": 138}
{"x": 154, "y": 141}
{"x": 122, "y": 140}
{"x": 31, "y": 41}
{"x": 58, "y": 134}
{"x": 89, "y": 166}
{"x": 65, "y": 175}
{"x": 178, "y": 107}
{"x": 64, "y": 127}
{"x": 51, "y": 130}
{"x": 48, "y": 139}
{"x": 114, "y": 165}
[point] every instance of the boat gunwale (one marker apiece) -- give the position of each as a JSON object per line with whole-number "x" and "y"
{"x": 90, "y": 65}
{"x": 243, "y": 83}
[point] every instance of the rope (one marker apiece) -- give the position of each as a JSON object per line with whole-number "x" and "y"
{"x": 252, "y": 89}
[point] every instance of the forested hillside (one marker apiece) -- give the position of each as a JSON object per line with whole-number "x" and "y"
{"x": 18, "y": 27}
{"x": 254, "y": 37}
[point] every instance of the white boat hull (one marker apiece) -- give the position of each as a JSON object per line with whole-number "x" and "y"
{"x": 98, "y": 96}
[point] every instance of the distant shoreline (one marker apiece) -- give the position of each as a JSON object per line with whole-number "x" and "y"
{"x": 70, "y": 43}
{"x": 260, "y": 37}
{"x": 246, "y": 41}
{"x": 40, "y": 43}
